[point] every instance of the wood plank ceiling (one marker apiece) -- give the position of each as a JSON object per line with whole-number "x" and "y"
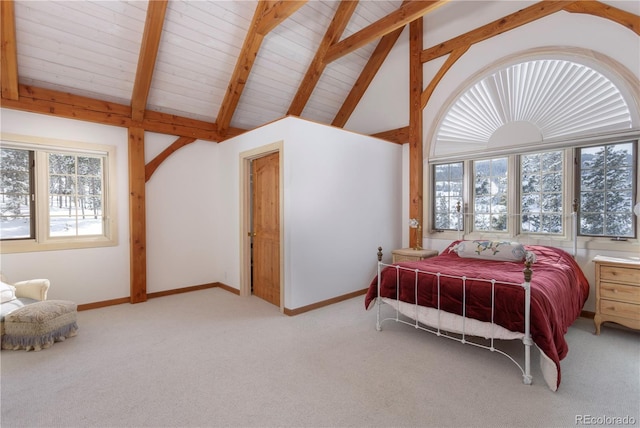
{"x": 197, "y": 69}
{"x": 212, "y": 69}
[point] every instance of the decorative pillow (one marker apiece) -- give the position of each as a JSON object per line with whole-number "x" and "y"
{"x": 490, "y": 250}
{"x": 7, "y": 292}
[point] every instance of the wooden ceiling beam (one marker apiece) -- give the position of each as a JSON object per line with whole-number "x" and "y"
{"x": 407, "y": 13}
{"x": 185, "y": 127}
{"x": 398, "y": 136}
{"x": 151, "y": 167}
{"x": 147, "y": 60}
{"x": 266, "y": 17}
{"x": 334, "y": 32}
{"x": 62, "y": 104}
{"x": 451, "y": 59}
{"x": 238, "y": 80}
{"x": 275, "y": 12}
{"x": 499, "y": 26}
{"x": 366, "y": 77}
{"x": 622, "y": 17}
{"x": 9, "y": 53}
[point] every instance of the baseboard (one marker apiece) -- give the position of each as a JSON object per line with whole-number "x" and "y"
{"x": 182, "y": 290}
{"x": 120, "y": 301}
{"x": 102, "y": 304}
{"x": 228, "y": 288}
{"x": 298, "y": 311}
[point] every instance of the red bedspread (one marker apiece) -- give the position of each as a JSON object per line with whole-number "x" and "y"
{"x": 559, "y": 290}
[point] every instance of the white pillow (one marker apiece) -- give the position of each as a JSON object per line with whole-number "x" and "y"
{"x": 7, "y": 292}
{"x": 490, "y": 250}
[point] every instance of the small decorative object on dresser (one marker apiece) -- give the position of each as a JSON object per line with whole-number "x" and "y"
{"x": 617, "y": 291}
{"x": 411, "y": 255}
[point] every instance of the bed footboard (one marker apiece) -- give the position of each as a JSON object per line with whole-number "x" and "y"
{"x": 437, "y": 321}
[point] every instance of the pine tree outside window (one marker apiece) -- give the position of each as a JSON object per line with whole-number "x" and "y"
{"x": 17, "y": 190}
{"x": 55, "y": 196}
{"x": 491, "y": 196}
{"x": 75, "y": 195}
{"x": 448, "y": 191}
{"x": 606, "y": 190}
{"x": 541, "y": 192}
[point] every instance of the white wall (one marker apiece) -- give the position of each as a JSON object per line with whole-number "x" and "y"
{"x": 181, "y": 208}
{"x": 341, "y": 195}
{"x": 385, "y": 104}
{"x": 342, "y": 200}
{"x": 86, "y": 275}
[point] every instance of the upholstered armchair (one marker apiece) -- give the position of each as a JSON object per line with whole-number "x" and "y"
{"x": 17, "y": 295}
{"x": 32, "y": 289}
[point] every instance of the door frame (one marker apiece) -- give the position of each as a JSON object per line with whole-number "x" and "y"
{"x": 245, "y": 214}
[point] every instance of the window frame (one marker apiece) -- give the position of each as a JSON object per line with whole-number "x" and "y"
{"x": 463, "y": 191}
{"x": 473, "y": 196}
{"x": 634, "y": 186}
{"x": 565, "y": 194}
{"x": 570, "y": 198}
{"x": 42, "y": 241}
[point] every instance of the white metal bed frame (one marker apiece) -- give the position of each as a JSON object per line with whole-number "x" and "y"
{"x": 438, "y": 331}
{"x": 437, "y": 328}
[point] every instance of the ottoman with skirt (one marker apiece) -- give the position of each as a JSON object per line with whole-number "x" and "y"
{"x": 38, "y": 325}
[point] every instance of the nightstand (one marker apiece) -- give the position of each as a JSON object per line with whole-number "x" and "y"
{"x": 411, "y": 255}
{"x": 617, "y": 292}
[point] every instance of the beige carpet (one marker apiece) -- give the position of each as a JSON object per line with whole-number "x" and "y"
{"x": 210, "y": 358}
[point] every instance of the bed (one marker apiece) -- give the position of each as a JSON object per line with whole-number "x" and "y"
{"x": 494, "y": 290}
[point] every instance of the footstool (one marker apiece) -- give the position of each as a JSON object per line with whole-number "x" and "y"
{"x": 38, "y": 325}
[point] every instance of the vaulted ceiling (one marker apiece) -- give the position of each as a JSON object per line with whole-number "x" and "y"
{"x": 212, "y": 69}
{"x": 218, "y": 67}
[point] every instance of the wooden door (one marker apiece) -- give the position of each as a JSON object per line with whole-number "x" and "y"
{"x": 266, "y": 228}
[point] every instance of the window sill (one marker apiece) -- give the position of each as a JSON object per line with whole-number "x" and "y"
{"x": 31, "y": 246}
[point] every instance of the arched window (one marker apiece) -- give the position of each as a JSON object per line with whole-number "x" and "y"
{"x": 533, "y": 101}
{"x": 527, "y": 120}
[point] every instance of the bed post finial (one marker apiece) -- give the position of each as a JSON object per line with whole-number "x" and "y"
{"x": 379, "y": 254}
{"x": 527, "y": 271}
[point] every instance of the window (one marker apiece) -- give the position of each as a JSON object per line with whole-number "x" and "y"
{"x": 75, "y": 195}
{"x": 16, "y": 190}
{"x": 55, "y": 195}
{"x": 490, "y": 199}
{"x": 565, "y": 130}
{"x": 541, "y": 192}
{"x": 606, "y": 190}
{"x": 535, "y": 200}
{"x": 448, "y": 194}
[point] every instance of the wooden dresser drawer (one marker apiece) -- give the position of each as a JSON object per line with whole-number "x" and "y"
{"x": 617, "y": 291}
{"x": 619, "y": 309}
{"x": 626, "y": 293}
{"x": 620, "y": 274}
